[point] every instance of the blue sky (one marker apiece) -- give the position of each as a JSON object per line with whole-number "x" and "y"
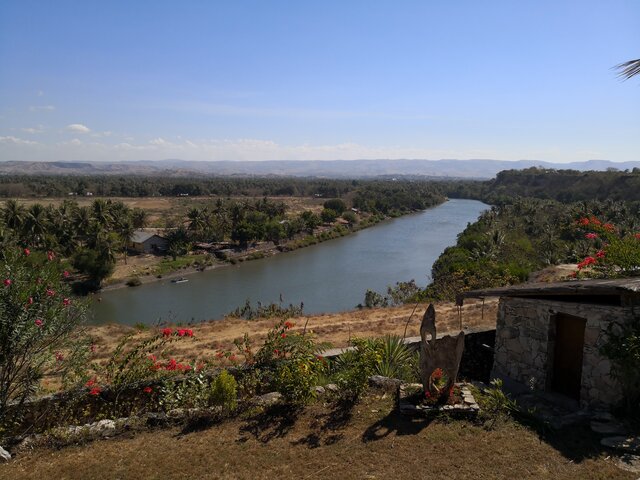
{"x": 259, "y": 80}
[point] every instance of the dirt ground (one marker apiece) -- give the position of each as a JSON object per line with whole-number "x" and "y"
{"x": 368, "y": 440}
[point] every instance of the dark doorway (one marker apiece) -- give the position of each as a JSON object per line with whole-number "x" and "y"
{"x": 567, "y": 360}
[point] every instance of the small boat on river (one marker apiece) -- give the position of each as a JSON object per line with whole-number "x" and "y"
{"x": 180, "y": 280}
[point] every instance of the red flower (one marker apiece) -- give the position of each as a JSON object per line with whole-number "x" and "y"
{"x": 637, "y": 235}
{"x": 437, "y": 374}
{"x": 152, "y": 358}
{"x": 92, "y": 347}
{"x": 584, "y": 221}
{"x": 95, "y": 391}
{"x": 38, "y": 322}
{"x": 284, "y": 335}
{"x": 182, "y": 332}
{"x": 600, "y": 254}
{"x": 232, "y": 358}
{"x": 66, "y": 302}
{"x": 7, "y": 282}
{"x": 288, "y": 324}
{"x": 147, "y": 389}
{"x": 587, "y": 261}
{"x": 50, "y": 255}
{"x": 219, "y": 354}
{"x": 172, "y": 365}
{"x": 166, "y": 332}
{"x": 65, "y": 274}
{"x": 30, "y": 301}
{"x": 609, "y": 227}
{"x": 591, "y": 236}
{"x": 27, "y": 252}
{"x": 90, "y": 383}
{"x": 189, "y": 332}
{"x": 59, "y": 356}
{"x": 50, "y": 293}
{"x": 427, "y": 394}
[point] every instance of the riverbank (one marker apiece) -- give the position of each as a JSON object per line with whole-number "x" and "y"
{"x": 145, "y": 273}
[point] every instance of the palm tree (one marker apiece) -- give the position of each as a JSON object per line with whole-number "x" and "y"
{"x": 629, "y": 69}
{"x": 13, "y": 214}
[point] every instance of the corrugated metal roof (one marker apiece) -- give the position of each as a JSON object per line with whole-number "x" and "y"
{"x": 141, "y": 236}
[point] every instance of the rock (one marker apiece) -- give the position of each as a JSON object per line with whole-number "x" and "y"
{"x": 267, "y": 399}
{"x": 4, "y": 455}
{"x": 630, "y": 463}
{"x": 624, "y": 444}
{"x": 104, "y": 428}
{"x": 331, "y": 387}
{"x": 608, "y": 428}
{"x": 318, "y": 390}
{"x": 156, "y": 419}
{"x": 603, "y": 416}
{"x": 384, "y": 383}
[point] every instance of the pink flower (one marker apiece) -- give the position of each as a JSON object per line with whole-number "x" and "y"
{"x": 66, "y": 302}
{"x": 7, "y": 282}
{"x": 30, "y": 301}
{"x": 232, "y": 358}
{"x": 65, "y": 274}
{"x": 92, "y": 347}
{"x": 27, "y": 252}
{"x": 50, "y": 255}
{"x": 591, "y": 236}
{"x": 59, "y": 356}
{"x": 38, "y": 322}
{"x": 50, "y": 293}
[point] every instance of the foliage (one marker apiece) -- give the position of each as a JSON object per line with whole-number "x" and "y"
{"x": 401, "y": 293}
{"x": 494, "y": 403}
{"x": 336, "y": 204}
{"x": 290, "y": 362}
{"x": 271, "y": 310}
{"x": 613, "y": 253}
{"x": 623, "y": 349}
{"x": 354, "y": 367}
{"x": 97, "y": 265}
{"x": 39, "y": 325}
{"x": 197, "y": 391}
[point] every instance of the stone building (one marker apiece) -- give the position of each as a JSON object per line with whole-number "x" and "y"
{"x": 549, "y": 335}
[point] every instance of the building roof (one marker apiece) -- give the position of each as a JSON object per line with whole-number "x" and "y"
{"x": 592, "y": 287}
{"x": 141, "y": 236}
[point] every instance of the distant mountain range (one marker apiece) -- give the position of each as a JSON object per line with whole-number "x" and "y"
{"x": 480, "y": 169}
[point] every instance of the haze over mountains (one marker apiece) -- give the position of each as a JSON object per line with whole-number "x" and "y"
{"x": 480, "y": 169}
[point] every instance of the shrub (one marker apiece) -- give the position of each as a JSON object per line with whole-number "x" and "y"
{"x": 134, "y": 282}
{"x": 224, "y": 392}
{"x": 39, "y": 326}
{"x": 354, "y": 367}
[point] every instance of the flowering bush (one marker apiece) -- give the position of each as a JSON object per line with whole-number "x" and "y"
{"x": 38, "y": 325}
{"x": 615, "y": 253}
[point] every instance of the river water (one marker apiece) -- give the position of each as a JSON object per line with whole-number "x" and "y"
{"x": 328, "y": 277}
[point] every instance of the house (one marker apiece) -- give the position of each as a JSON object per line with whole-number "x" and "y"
{"x": 549, "y": 335}
{"x": 148, "y": 242}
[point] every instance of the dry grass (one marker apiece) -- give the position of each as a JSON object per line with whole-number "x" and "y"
{"x": 368, "y": 442}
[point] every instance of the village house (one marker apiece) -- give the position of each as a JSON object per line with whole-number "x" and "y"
{"x": 148, "y": 242}
{"x": 549, "y": 335}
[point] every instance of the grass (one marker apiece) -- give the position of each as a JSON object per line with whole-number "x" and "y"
{"x": 327, "y": 442}
{"x": 168, "y": 265}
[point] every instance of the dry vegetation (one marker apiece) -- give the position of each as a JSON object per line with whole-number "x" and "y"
{"x": 369, "y": 441}
{"x": 335, "y": 328}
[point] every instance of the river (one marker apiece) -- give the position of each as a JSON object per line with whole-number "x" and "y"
{"x": 328, "y": 277}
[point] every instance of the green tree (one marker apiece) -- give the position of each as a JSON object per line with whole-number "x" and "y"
{"x": 38, "y": 325}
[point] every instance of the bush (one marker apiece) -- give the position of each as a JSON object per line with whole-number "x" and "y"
{"x": 38, "y": 326}
{"x": 134, "y": 282}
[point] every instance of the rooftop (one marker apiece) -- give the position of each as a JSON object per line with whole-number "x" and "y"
{"x": 140, "y": 236}
{"x": 617, "y": 287}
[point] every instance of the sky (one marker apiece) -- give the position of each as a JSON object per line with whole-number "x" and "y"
{"x": 299, "y": 80}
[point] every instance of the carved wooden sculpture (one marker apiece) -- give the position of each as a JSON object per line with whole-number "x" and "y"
{"x": 444, "y": 353}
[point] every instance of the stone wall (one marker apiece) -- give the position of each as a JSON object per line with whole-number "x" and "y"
{"x": 525, "y": 345}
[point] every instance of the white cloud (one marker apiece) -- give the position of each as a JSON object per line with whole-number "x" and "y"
{"x": 40, "y": 93}
{"x": 11, "y": 140}
{"x": 78, "y": 128}
{"x": 33, "y": 130}
{"x": 42, "y": 108}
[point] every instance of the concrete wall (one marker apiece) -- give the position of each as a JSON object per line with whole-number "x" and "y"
{"x": 525, "y": 345}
